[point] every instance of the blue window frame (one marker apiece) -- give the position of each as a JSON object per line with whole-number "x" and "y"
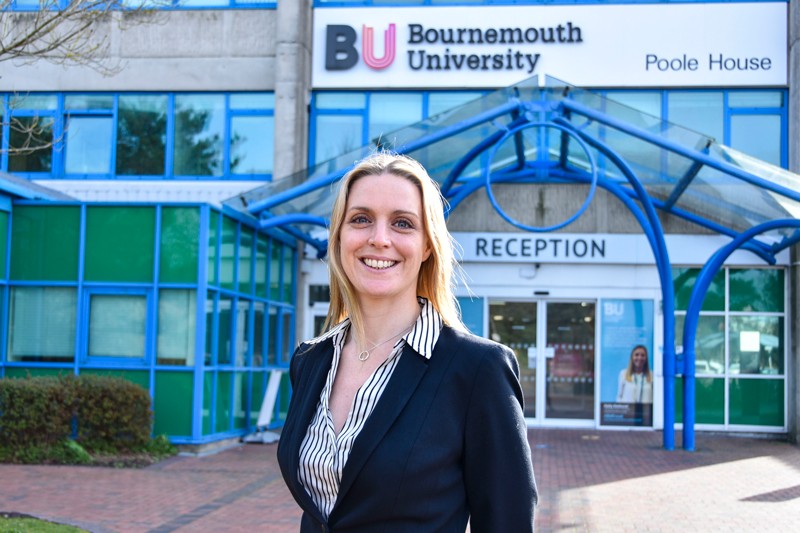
{"x": 118, "y": 325}
{"x": 753, "y": 121}
{"x": 139, "y": 136}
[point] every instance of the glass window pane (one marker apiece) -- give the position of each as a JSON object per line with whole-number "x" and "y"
{"x": 30, "y": 142}
{"x": 85, "y": 102}
{"x": 645, "y": 101}
{"x": 199, "y": 132}
{"x": 213, "y": 247}
{"x": 120, "y": 243}
{"x": 224, "y": 337}
{"x": 710, "y": 401}
{"x": 755, "y": 98}
{"x": 337, "y": 135}
{"x": 228, "y": 251}
{"x": 210, "y": 322}
{"x": 288, "y": 276}
{"x": 340, "y": 100}
{"x": 245, "y": 260}
{"x": 179, "y": 250}
{"x": 286, "y": 351}
{"x": 442, "y": 101}
{"x": 3, "y": 240}
{"x": 252, "y": 101}
{"x": 242, "y": 331}
{"x": 177, "y": 312}
{"x": 33, "y": 101}
{"x": 88, "y": 149}
{"x": 117, "y": 325}
{"x": 222, "y": 411}
{"x": 272, "y": 339}
{"x": 709, "y": 345}
{"x": 42, "y": 324}
{"x": 258, "y": 334}
{"x": 757, "y": 402}
{"x": 684, "y": 280}
{"x": 758, "y": 136}
{"x": 756, "y": 345}
{"x": 701, "y": 111}
{"x": 391, "y": 111}
{"x": 757, "y": 289}
{"x": 44, "y": 243}
{"x": 196, "y": 3}
{"x": 141, "y": 135}
{"x": 252, "y": 145}
{"x": 262, "y": 249}
{"x": 275, "y": 272}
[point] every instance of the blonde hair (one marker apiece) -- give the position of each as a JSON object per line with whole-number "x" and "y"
{"x": 629, "y": 373}
{"x": 435, "y": 281}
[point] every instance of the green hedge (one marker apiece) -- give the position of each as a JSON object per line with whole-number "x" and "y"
{"x": 102, "y": 414}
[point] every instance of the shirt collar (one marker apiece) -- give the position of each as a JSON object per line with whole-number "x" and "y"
{"x": 422, "y": 337}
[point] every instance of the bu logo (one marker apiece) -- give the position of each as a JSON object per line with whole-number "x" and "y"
{"x": 341, "y": 53}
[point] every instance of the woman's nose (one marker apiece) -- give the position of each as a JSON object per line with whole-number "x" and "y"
{"x": 380, "y": 236}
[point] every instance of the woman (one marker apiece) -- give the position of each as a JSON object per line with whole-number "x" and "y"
{"x": 636, "y": 381}
{"x": 400, "y": 420}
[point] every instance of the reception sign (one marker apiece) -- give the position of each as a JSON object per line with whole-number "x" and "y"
{"x": 723, "y": 44}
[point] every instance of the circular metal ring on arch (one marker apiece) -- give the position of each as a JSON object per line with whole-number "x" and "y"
{"x": 542, "y": 125}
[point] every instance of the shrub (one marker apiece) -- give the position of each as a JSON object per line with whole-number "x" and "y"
{"x": 63, "y": 419}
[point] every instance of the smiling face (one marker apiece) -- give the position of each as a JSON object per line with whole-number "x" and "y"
{"x": 382, "y": 238}
{"x": 639, "y": 358}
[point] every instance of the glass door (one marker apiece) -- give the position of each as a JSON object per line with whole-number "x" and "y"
{"x": 514, "y": 324}
{"x": 555, "y": 345}
{"x": 570, "y": 354}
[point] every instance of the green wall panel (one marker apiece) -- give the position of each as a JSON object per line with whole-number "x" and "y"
{"x": 179, "y": 250}
{"x": 208, "y": 399}
{"x": 757, "y": 289}
{"x": 222, "y": 421}
{"x": 757, "y": 402}
{"x": 684, "y": 280}
{"x": 3, "y": 242}
{"x": 140, "y": 377}
{"x": 241, "y": 400}
{"x": 173, "y": 403}
{"x": 120, "y": 243}
{"x": 709, "y": 405}
{"x": 44, "y": 243}
{"x": 213, "y": 248}
{"x": 16, "y": 372}
{"x": 257, "y": 395}
{"x": 228, "y": 254}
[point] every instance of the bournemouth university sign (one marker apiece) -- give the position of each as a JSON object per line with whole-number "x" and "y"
{"x": 651, "y": 45}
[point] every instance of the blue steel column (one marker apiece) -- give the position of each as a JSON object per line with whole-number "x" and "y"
{"x": 707, "y": 274}
{"x": 663, "y": 266}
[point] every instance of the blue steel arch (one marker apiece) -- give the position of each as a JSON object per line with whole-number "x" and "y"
{"x": 280, "y": 205}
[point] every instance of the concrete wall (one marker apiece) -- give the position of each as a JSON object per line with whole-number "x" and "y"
{"x": 207, "y": 50}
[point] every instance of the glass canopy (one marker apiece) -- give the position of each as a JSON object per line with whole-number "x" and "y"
{"x": 556, "y": 133}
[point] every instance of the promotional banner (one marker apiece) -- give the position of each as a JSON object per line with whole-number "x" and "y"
{"x": 723, "y": 44}
{"x": 626, "y": 369}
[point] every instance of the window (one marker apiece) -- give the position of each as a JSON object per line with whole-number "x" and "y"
{"x": 177, "y": 312}
{"x": 140, "y": 136}
{"x": 739, "y": 346}
{"x": 42, "y": 324}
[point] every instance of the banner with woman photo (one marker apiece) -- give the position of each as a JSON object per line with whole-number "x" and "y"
{"x": 626, "y": 368}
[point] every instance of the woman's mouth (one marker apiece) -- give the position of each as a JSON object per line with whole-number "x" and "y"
{"x": 378, "y": 263}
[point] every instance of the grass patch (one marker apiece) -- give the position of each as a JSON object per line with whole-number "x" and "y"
{"x": 18, "y": 523}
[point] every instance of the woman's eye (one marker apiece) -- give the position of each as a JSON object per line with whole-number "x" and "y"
{"x": 404, "y": 224}
{"x": 359, "y": 219}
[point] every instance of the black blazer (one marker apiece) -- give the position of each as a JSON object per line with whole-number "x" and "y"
{"x": 446, "y": 442}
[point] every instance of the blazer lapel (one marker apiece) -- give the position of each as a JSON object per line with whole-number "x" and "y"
{"x": 404, "y": 381}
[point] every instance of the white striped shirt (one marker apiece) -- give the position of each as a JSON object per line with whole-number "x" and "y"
{"x": 323, "y": 454}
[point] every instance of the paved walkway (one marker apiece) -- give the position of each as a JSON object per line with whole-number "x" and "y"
{"x": 589, "y": 481}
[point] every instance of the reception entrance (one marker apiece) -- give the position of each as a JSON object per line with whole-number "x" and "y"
{"x": 555, "y": 346}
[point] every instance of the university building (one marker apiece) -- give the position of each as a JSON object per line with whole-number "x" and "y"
{"x": 619, "y": 176}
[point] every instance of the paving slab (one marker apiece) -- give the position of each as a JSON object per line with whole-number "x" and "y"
{"x": 589, "y": 481}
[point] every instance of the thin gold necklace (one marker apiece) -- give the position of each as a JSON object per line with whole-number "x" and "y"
{"x": 363, "y": 355}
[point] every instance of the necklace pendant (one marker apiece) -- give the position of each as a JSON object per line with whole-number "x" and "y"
{"x": 363, "y": 356}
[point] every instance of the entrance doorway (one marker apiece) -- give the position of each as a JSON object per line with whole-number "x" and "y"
{"x": 555, "y": 345}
